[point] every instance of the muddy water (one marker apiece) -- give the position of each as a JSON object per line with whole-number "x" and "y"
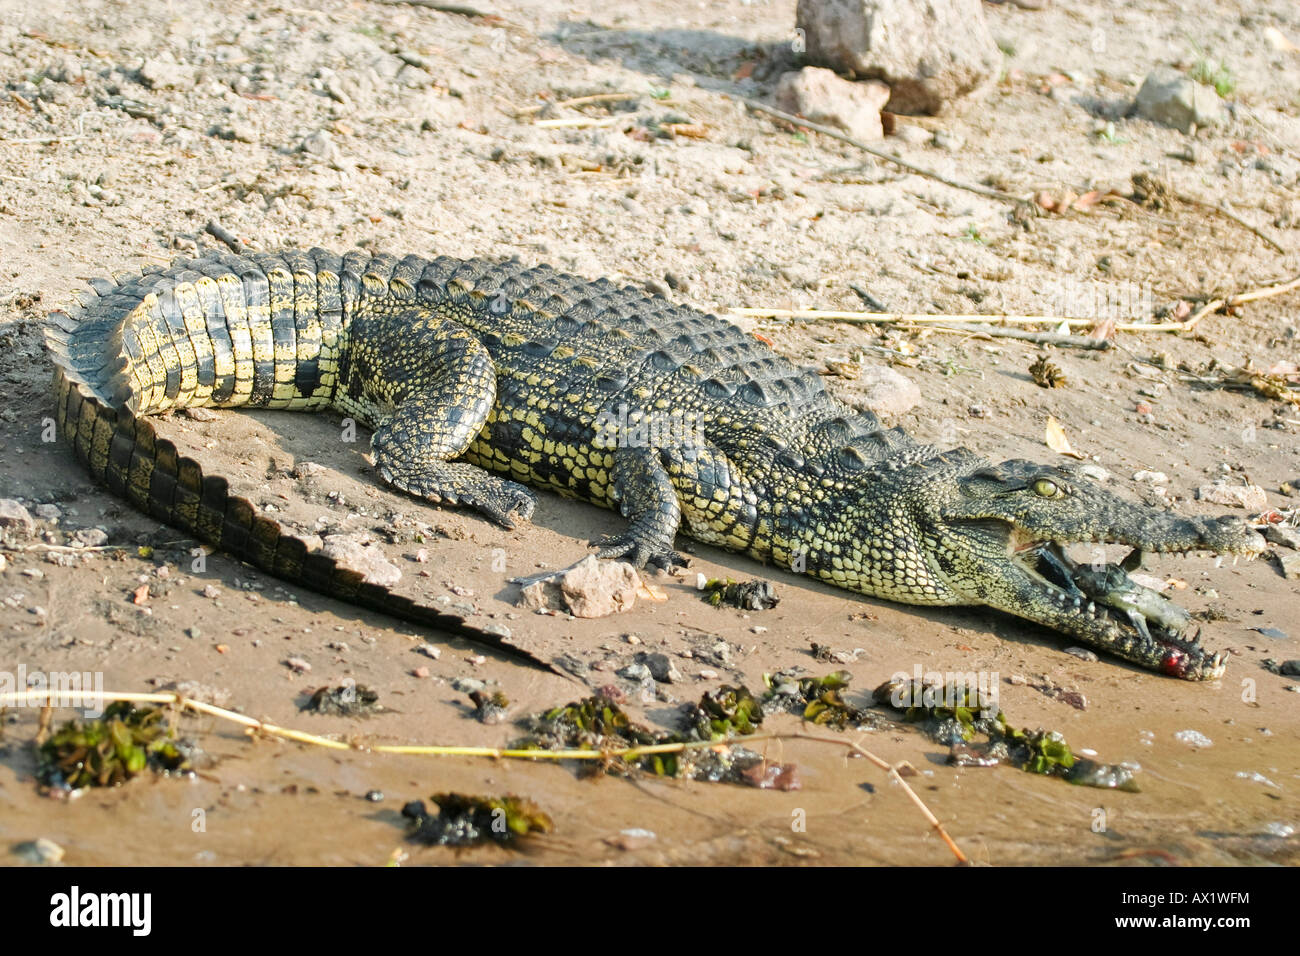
{"x": 265, "y": 801}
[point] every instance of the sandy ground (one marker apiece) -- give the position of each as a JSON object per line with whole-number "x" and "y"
{"x": 128, "y": 126}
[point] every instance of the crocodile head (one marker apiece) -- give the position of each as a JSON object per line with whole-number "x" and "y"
{"x": 996, "y": 536}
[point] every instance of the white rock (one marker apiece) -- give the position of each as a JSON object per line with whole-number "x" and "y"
{"x": 822, "y": 97}
{"x": 1250, "y": 497}
{"x": 887, "y": 392}
{"x": 928, "y": 53}
{"x": 351, "y": 552}
{"x": 1172, "y": 99}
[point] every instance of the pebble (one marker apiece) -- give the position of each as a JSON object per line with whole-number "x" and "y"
{"x": 661, "y": 667}
{"x": 1173, "y": 99}
{"x": 14, "y": 515}
{"x": 1095, "y": 472}
{"x": 91, "y": 537}
{"x": 1193, "y": 738}
{"x": 297, "y": 664}
{"x": 912, "y": 134}
{"x": 1152, "y": 477}
{"x": 1290, "y": 565}
{"x": 1082, "y": 653}
{"x": 467, "y": 685}
{"x": 708, "y": 674}
{"x": 428, "y": 650}
{"x": 1290, "y": 668}
{"x": 1283, "y": 534}
{"x": 375, "y": 796}
{"x": 40, "y": 851}
{"x": 420, "y": 672}
{"x": 636, "y": 672}
{"x": 1250, "y": 497}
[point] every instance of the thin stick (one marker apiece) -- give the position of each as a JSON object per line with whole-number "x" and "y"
{"x": 880, "y": 153}
{"x": 928, "y": 318}
{"x": 456, "y": 8}
{"x": 579, "y": 122}
{"x": 1228, "y": 213}
{"x": 220, "y": 232}
{"x": 1265, "y": 293}
{"x": 898, "y": 778}
{"x": 1040, "y": 338}
{"x": 49, "y": 698}
{"x": 579, "y": 101}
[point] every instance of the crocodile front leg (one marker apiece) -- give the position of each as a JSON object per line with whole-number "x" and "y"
{"x": 441, "y": 394}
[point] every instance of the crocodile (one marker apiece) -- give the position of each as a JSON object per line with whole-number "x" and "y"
{"x": 482, "y": 379}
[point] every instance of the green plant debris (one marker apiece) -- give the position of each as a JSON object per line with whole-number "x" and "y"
{"x": 953, "y": 714}
{"x": 754, "y": 595}
{"x": 1209, "y": 72}
{"x": 111, "y": 750}
{"x": 600, "y": 723}
{"x": 489, "y": 708}
{"x": 818, "y": 700}
{"x": 726, "y": 712}
{"x": 346, "y": 700}
{"x": 464, "y": 820}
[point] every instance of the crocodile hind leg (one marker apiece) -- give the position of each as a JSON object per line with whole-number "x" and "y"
{"x": 442, "y": 398}
{"x": 648, "y": 500}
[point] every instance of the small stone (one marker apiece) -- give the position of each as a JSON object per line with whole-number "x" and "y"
{"x": 912, "y": 134}
{"x": 1082, "y": 653}
{"x": 308, "y": 469}
{"x": 661, "y": 667}
{"x": 1172, "y": 99}
{"x": 1193, "y": 738}
{"x": 593, "y": 588}
{"x": 164, "y": 75}
{"x": 887, "y": 392}
{"x": 822, "y": 97}
{"x": 1152, "y": 477}
{"x": 631, "y": 839}
{"x": 420, "y": 672}
{"x": 375, "y": 796}
{"x": 428, "y": 650}
{"x": 14, "y": 515}
{"x": 48, "y": 512}
{"x": 297, "y": 665}
{"x": 353, "y": 552}
{"x": 211, "y": 592}
{"x": 497, "y": 630}
{"x": 636, "y": 672}
{"x": 708, "y": 674}
{"x": 319, "y": 144}
{"x": 1250, "y": 497}
{"x": 1290, "y": 668}
{"x": 40, "y": 851}
{"x": 467, "y": 685}
{"x": 91, "y": 537}
{"x": 1284, "y": 534}
{"x": 1289, "y": 564}
{"x": 1095, "y": 472}
{"x": 928, "y": 53}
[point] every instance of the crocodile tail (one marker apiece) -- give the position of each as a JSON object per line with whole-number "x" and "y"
{"x": 110, "y": 373}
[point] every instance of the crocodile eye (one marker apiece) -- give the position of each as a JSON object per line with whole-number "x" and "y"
{"x": 1046, "y": 488}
